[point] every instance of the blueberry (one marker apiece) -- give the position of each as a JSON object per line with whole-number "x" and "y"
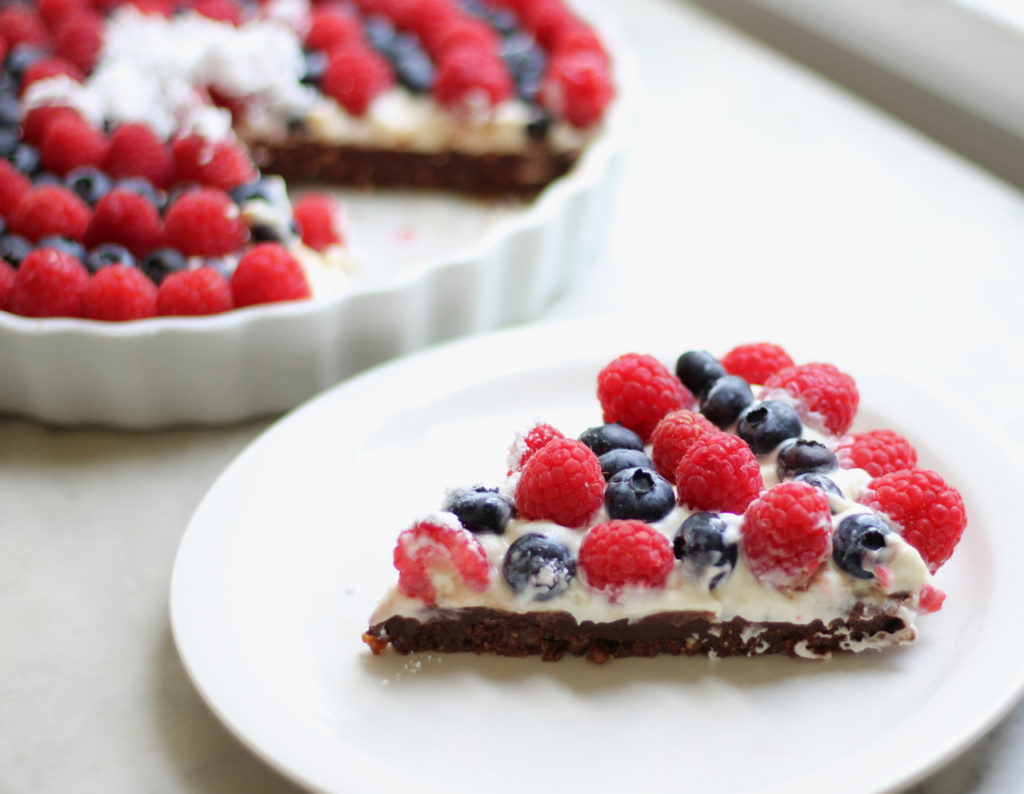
{"x": 263, "y": 233}
{"x": 538, "y": 565}
{"x": 314, "y": 66}
{"x": 502, "y": 20}
{"x": 108, "y": 254}
{"x": 257, "y": 189}
{"x": 526, "y": 63}
{"x": 538, "y": 127}
{"x": 9, "y": 139}
{"x": 836, "y": 497}
{"x": 142, "y": 186}
{"x": 20, "y": 58}
{"x": 766, "y": 425}
{"x": 414, "y": 69}
{"x": 639, "y": 493}
{"x": 14, "y": 248}
{"x": 698, "y": 370}
{"x": 480, "y": 509}
{"x": 615, "y": 460}
{"x": 88, "y": 183}
{"x": 180, "y": 190}
{"x": 10, "y": 110}
{"x": 26, "y": 159}
{"x": 161, "y": 263}
{"x": 858, "y": 538}
{"x": 726, "y": 399}
{"x": 46, "y": 178}
{"x": 802, "y": 456}
{"x": 605, "y": 438}
{"x": 64, "y": 245}
{"x": 703, "y": 542}
{"x": 379, "y": 32}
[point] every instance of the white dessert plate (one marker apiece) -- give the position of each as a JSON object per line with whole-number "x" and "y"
{"x": 287, "y": 555}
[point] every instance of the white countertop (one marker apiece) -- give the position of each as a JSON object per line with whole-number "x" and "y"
{"x": 756, "y": 195}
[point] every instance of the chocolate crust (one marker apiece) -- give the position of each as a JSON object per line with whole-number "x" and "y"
{"x": 551, "y": 635}
{"x": 482, "y": 175}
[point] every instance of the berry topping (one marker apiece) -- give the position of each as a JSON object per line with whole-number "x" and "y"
{"x": 858, "y": 544}
{"x": 480, "y": 509}
{"x": 71, "y": 142}
{"x": 161, "y": 263}
{"x": 718, "y": 473}
{"x": 878, "y": 452}
{"x": 726, "y": 399}
{"x": 88, "y": 183}
{"x": 561, "y": 482}
{"x": 673, "y": 435}
{"x": 803, "y": 456}
{"x": 836, "y": 497}
{"x": 617, "y": 554}
{"x": 14, "y": 186}
{"x": 766, "y": 425}
{"x": 331, "y": 27}
{"x": 204, "y": 223}
{"x": 929, "y": 513}
{"x": 470, "y": 77}
{"x": 50, "y": 209}
{"x": 786, "y": 534}
{"x": 14, "y": 249}
{"x": 194, "y": 292}
{"x": 267, "y": 274}
{"x": 119, "y": 292}
{"x": 577, "y": 87}
{"x": 756, "y": 362}
{"x": 639, "y": 493}
{"x": 706, "y": 547}
{"x": 135, "y": 150}
{"x": 218, "y": 165}
{"x": 124, "y": 217}
{"x": 436, "y": 545}
{"x": 605, "y": 438}
{"x": 37, "y": 122}
{"x": 615, "y": 460}
{"x": 108, "y": 254}
{"x": 539, "y": 566}
{"x": 317, "y": 215}
{"x": 19, "y": 24}
{"x": 354, "y": 76}
{"x": 636, "y": 391}
{"x": 6, "y": 280}
{"x": 45, "y": 68}
{"x": 79, "y": 40}
{"x": 698, "y": 370}
{"x": 526, "y": 444}
{"x": 827, "y": 398}
{"x": 48, "y": 283}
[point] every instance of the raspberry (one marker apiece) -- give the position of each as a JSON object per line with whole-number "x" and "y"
{"x": 204, "y": 222}
{"x": 526, "y": 444}
{"x": 14, "y": 186}
{"x": 756, "y": 362}
{"x": 546, "y": 19}
{"x": 50, "y": 209}
{"x": 561, "y": 482}
{"x": 79, "y": 40}
{"x": 220, "y": 10}
{"x": 317, "y": 215}
{"x": 439, "y": 544}
{"x": 459, "y": 33}
{"x": 827, "y": 396}
{"x": 45, "y": 68}
{"x": 330, "y": 28}
{"x": 929, "y": 512}
{"x": 71, "y": 142}
{"x": 55, "y": 12}
{"x": 718, "y": 473}
{"x": 267, "y": 274}
{"x": 577, "y": 87}
{"x": 637, "y": 391}
{"x": 135, "y": 150}
{"x": 620, "y": 553}
{"x": 355, "y": 75}
{"x": 577, "y": 37}
{"x": 20, "y": 25}
{"x": 162, "y": 8}
{"x": 119, "y": 292}
{"x": 6, "y": 280}
{"x": 194, "y": 292}
{"x": 127, "y": 218}
{"x": 673, "y": 435}
{"x": 48, "y": 283}
{"x": 429, "y": 18}
{"x": 36, "y": 123}
{"x": 786, "y": 534}
{"x": 470, "y": 76}
{"x": 878, "y": 452}
{"x": 221, "y": 165}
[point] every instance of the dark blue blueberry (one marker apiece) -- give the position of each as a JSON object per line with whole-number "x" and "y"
{"x": 836, "y": 497}
{"x": 64, "y": 245}
{"x": 698, "y": 370}
{"x": 108, "y": 254}
{"x": 14, "y": 248}
{"x": 20, "y": 58}
{"x": 766, "y": 425}
{"x": 538, "y": 565}
{"x": 379, "y": 32}
{"x": 222, "y": 264}
{"x": 315, "y": 64}
{"x": 264, "y": 233}
{"x": 726, "y": 400}
{"x": 257, "y": 189}
{"x": 41, "y": 178}
{"x": 639, "y": 493}
{"x": 414, "y": 69}
{"x": 161, "y": 263}
{"x": 3, "y": 226}
{"x": 10, "y": 137}
{"x": 8, "y": 85}
{"x": 615, "y": 460}
{"x": 803, "y": 456}
{"x": 481, "y": 509}
{"x": 142, "y": 186}
{"x": 10, "y": 110}
{"x": 538, "y": 127}
{"x": 90, "y": 184}
{"x": 526, "y": 63}
{"x": 859, "y": 538}
{"x": 604, "y": 438}
{"x": 25, "y": 158}
{"x": 502, "y": 20}
{"x": 180, "y": 190}
{"x": 703, "y": 542}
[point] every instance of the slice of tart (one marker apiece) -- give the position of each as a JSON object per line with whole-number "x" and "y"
{"x": 722, "y": 510}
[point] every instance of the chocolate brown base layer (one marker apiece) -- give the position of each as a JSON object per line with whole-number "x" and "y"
{"x": 484, "y": 175}
{"x": 551, "y": 635}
